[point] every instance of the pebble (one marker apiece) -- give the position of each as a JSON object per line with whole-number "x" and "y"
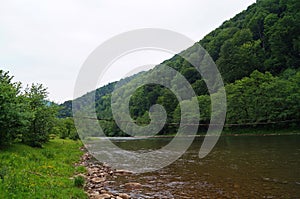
{"x": 123, "y": 196}
{"x": 236, "y": 186}
{"x": 123, "y": 172}
{"x": 133, "y": 185}
{"x": 104, "y": 196}
{"x": 96, "y": 179}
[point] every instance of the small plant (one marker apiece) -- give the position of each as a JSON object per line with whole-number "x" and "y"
{"x": 80, "y": 169}
{"x": 3, "y": 172}
{"x": 52, "y": 136}
{"x": 48, "y": 154}
{"x": 79, "y": 181}
{"x": 34, "y": 157}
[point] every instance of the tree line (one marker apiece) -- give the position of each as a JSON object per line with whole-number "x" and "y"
{"x": 27, "y": 116}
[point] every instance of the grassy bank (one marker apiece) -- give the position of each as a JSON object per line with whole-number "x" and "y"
{"x": 27, "y": 172}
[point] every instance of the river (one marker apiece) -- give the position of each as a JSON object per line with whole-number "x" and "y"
{"x": 238, "y": 167}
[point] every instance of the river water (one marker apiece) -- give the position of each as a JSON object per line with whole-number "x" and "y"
{"x": 238, "y": 167}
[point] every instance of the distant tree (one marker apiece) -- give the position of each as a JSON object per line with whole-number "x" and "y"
{"x": 71, "y": 129}
{"x": 262, "y": 98}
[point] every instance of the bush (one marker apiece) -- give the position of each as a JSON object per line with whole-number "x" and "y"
{"x": 79, "y": 181}
{"x": 52, "y": 136}
{"x": 3, "y": 172}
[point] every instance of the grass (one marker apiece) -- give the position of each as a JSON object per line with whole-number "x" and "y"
{"x": 27, "y": 172}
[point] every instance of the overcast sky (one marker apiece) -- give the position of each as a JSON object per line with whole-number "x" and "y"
{"x": 47, "y": 41}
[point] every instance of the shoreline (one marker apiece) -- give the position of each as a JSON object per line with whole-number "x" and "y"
{"x": 222, "y": 135}
{"x": 98, "y": 175}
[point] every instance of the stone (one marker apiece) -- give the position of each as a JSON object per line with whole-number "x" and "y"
{"x": 266, "y": 179}
{"x": 97, "y": 180}
{"x": 122, "y": 172}
{"x": 133, "y": 185}
{"x": 103, "y": 196}
{"x": 93, "y": 169}
{"x": 236, "y": 186}
{"x": 123, "y": 196}
{"x": 103, "y": 191}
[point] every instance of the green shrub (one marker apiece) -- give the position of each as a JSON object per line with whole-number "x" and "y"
{"x": 3, "y": 172}
{"x": 80, "y": 169}
{"x": 79, "y": 181}
{"x": 52, "y": 136}
{"x": 48, "y": 154}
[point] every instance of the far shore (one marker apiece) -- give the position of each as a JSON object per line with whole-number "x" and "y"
{"x": 222, "y": 135}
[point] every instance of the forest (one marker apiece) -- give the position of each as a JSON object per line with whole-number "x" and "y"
{"x": 258, "y": 55}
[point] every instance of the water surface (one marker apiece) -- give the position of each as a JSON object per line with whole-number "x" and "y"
{"x": 238, "y": 167}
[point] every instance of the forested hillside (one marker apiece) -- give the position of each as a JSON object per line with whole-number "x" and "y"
{"x": 258, "y": 55}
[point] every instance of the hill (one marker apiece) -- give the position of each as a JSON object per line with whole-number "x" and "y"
{"x": 258, "y": 55}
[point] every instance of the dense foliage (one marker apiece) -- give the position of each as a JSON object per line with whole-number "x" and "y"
{"x": 27, "y": 116}
{"x": 258, "y": 55}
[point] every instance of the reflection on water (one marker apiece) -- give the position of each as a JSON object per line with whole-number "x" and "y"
{"x": 238, "y": 167}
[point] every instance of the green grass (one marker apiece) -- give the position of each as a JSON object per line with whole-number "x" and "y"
{"x": 27, "y": 172}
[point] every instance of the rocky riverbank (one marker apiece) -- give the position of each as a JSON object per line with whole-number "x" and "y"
{"x": 99, "y": 175}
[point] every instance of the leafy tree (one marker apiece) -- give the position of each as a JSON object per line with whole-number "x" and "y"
{"x": 43, "y": 114}
{"x": 262, "y": 98}
{"x": 12, "y": 116}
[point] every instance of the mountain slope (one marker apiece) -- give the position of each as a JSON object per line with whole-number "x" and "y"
{"x": 250, "y": 51}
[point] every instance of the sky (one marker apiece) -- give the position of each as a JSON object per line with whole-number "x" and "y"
{"x": 48, "y": 41}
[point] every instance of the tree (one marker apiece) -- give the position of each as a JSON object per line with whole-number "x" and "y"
{"x": 263, "y": 98}
{"x": 12, "y": 116}
{"x": 42, "y": 117}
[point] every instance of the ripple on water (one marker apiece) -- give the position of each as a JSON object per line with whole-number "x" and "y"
{"x": 239, "y": 167}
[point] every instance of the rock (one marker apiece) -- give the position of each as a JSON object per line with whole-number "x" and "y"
{"x": 95, "y": 193}
{"x": 122, "y": 172}
{"x": 91, "y": 171}
{"x": 236, "y": 186}
{"x": 118, "y": 197}
{"x": 133, "y": 185}
{"x": 269, "y": 197}
{"x": 103, "y": 196}
{"x": 103, "y": 191}
{"x": 105, "y": 165}
{"x": 123, "y": 196}
{"x": 97, "y": 180}
{"x": 266, "y": 179}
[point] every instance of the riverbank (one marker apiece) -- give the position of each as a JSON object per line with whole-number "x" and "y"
{"x": 99, "y": 175}
{"x": 224, "y": 133}
{"x": 47, "y": 172}
{"x": 243, "y": 132}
